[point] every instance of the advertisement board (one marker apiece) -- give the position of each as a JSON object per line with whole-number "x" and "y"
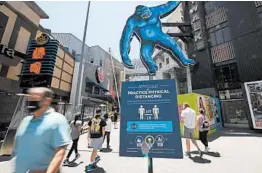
{"x": 254, "y": 97}
{"x": 149, "y": 117}
{"x": 210, "y": 105}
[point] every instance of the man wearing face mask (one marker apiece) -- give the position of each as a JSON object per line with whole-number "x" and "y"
{"x": 42, "y": 137}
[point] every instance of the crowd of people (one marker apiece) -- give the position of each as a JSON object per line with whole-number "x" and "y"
{"x": 46, "y": 134}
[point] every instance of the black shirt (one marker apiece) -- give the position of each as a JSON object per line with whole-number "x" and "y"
{"x": 96, "y": 125}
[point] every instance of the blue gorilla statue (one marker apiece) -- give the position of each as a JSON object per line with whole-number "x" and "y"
{"x": 145, "y": 24}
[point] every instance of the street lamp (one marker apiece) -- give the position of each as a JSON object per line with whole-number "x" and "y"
{"x": 79, "y": 84}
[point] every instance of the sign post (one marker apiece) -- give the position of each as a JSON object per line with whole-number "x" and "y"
{"x": 150, "y": 159}
{"x": 150, "y": 121}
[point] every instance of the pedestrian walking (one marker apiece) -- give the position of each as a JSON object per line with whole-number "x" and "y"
{"x": 75, "y": 131}
{"x": 107, "y": 130}
{"x": 115, "y": 118}
{"x": 42, "y": 137}
{"x": 96, "y": 132}
{"x": 203, "y": 128}
{"x": 188, "y": 116}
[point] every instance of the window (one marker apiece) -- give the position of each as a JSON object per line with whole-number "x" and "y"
{"x": 213, "y": 39}
{"x": 220, "y": 36}
{"x": 226, "y": 34}
{"x": 211, "y": 6}
{"x": 160, "y": 65}
{"x": 167, "y": 61}
{"x": 227, "y": 74}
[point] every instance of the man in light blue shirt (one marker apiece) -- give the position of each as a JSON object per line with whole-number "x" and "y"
{"x": 42, "y": 137}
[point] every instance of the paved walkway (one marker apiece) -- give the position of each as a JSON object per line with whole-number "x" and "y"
{"x": 239, "y": 152}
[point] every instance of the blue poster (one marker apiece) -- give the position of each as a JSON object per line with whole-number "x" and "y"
{"x": 150, "y": 120}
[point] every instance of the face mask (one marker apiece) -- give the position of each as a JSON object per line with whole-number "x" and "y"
{"x": 33, "y": 106}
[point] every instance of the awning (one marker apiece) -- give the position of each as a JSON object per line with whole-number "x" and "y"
{"x": 87, "y": 80}
{"x": 108, "y": 98}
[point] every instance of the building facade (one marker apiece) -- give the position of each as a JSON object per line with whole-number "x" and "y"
{"x": 19, "y": 22}
{"x": 168, "y": 67}
{"x": 229, "y": 55}
{"x": 98, "y": 83}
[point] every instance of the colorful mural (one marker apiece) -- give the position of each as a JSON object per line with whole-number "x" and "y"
{"x": 211, "y": 105}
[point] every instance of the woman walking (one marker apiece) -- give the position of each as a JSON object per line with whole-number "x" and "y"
{"x": 203, "y": 128}
{"x": 115, "y": 118}
{"x": 75, "y": 130}
{"x": 107, "y": 129}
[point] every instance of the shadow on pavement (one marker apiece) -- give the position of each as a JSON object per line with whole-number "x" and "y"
{"x": 73, "y": 163}
{"x": 106, "y": 150}
{"x": 97, "y": 170}
{"x": 212, "y": 154}
{"x": 198, "y": 159}
{"x": 90, "y": 151}
{"x": 5, "y": 158}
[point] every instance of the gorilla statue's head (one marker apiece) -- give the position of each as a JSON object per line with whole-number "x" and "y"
{"x": 143, "y": 11}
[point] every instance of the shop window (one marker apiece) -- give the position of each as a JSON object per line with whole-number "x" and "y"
{"x": 89, "y": 87}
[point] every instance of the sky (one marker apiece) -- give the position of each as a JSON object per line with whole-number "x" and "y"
{"x": 106, "y": 21}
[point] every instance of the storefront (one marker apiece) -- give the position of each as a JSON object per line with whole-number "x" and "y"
{"x": 96, "y": 90}
{"x": 46, "y": 65}
{"x": 234, "y": 108}
{"x": 19, "y": 22}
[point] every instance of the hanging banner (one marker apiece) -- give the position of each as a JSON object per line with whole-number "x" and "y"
{"x": 254, "y": 97}
{"x": 149, "y": 119}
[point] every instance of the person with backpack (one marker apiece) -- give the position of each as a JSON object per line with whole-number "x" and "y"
{"x": 203, "y": 128}
{"x": 75, "y": 131}
{"x": 107, "y": 129}
{"x": 188, "y": 117}
{"x": 96, "y": 131}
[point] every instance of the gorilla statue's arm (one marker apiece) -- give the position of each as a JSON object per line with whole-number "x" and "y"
{"x": 126, "y": 38}
{"x": 165, "y": 9}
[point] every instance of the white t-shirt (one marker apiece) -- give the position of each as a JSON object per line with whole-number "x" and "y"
{"x": 189, "y": 116}
{"x": 108, "y": 125}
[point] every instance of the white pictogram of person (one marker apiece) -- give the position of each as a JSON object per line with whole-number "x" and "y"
{"x": 155, "y": 112}
{"x": 139, "y": 142}
{"x": 141, "y": 112}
